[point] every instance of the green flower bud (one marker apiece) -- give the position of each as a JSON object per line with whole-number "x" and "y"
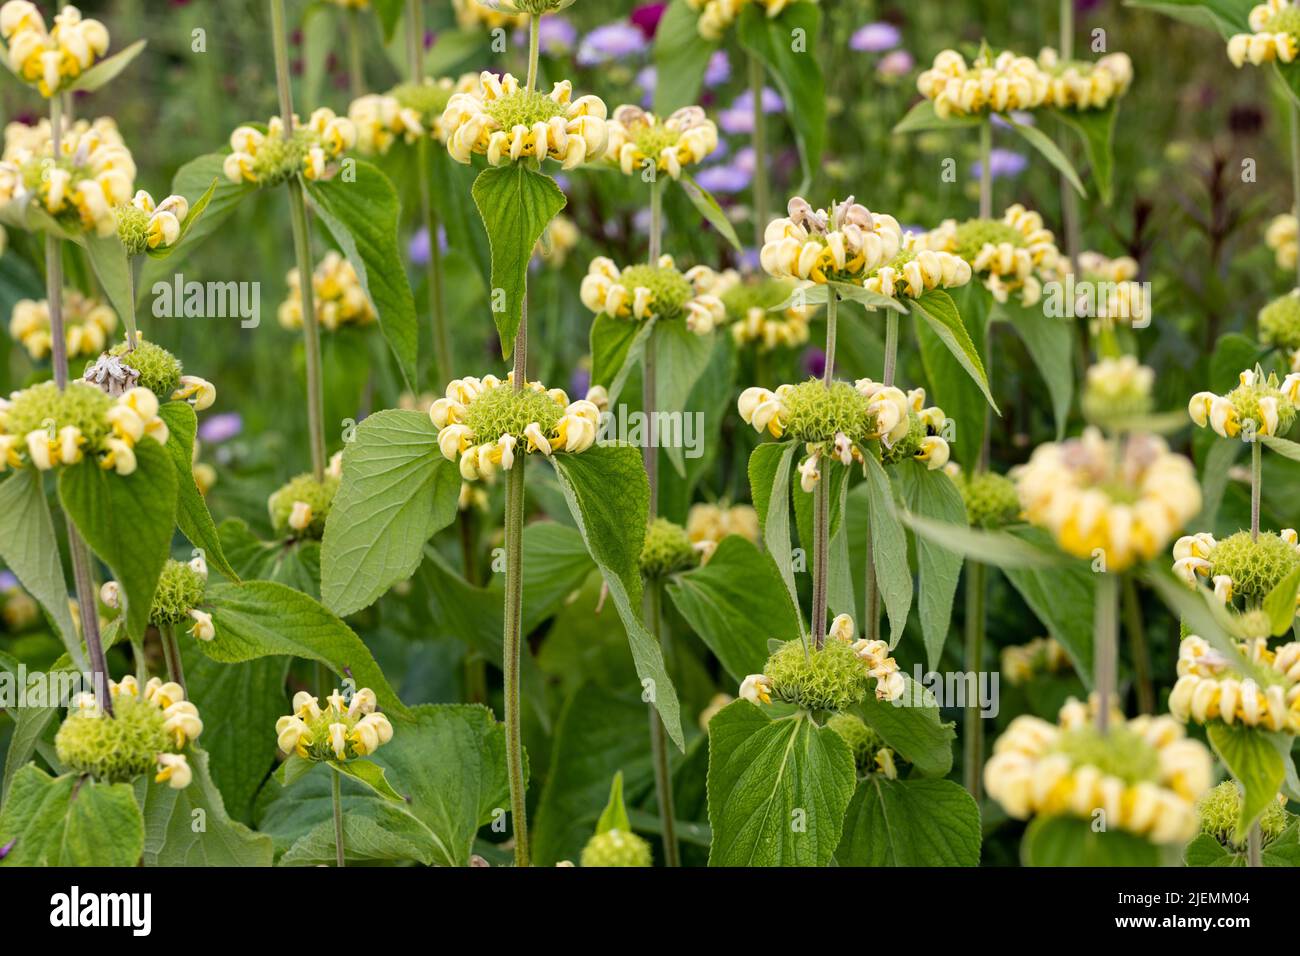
{"x": 991, "y": 500}
{"x": 1120, "y": 753}
{"x": 617, "y": 848}
{"x": 180, "y": 589}
{"x": 1255, "y": 566}
{"x": 114, "y": 749}
{"x": 667, "y": 549}
{"x": 1220, "y": 808}
{"x": 1279, "y": 322}
{"x": 833, "y": 679}
{"x": 974, "y": 234}
{"x": 816, "y": 414}
{"x": 133, "y": 229}
{"x": 501, "y": 410}
{"x": 288, "y": 514}
{"x": 80, "y": 405}
{"x": 906, "y": 447}
{"x": 160, "y": 371}
{"x": 862, "y": 740}
{"x": 524, "y": 108}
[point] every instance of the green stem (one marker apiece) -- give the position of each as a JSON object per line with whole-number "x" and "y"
{"x": 891, "y": 346}
{"x": 336, "y": 798}
{"x": 1069, "y": 198}
{"x": 832, "y": 308}
{"x": 302, "y": 251}
{"x": 821, "y": 554}
{"x": 1137, "y": 637}
{"x": 356, "y": 67}
{"x": 1105, "y": 656}
{"x": 659, "y": 740}
{"x": 656, "y": 221}
{"x": 871, "y": 607}
{"x": 1067, "y": 29}
{"x": 986, "y": 169}
{"x": 972, "y": 725}
{"x": 534, "y": 47}
{"x": 172, "y": 655}
{"x": 1256, "y": 482}
{"x": 762, "y": 200}
{"x": 1255, "y": 846}
{"x": 513, "y": 649}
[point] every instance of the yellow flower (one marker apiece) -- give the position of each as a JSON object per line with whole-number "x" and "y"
{"x": 181, "y": 720}
{"x": 381, "y": 120}
{"x": 640, "y": 293}
{"x": 1276, "y": 26}
{"x": 507, "y": 123}
{"x": 337, "y": 295}
{"x": 1259, "y": 403}
{"x": 174, "y": 770}
{"x": 472, "y": 13}
{"x": 988, "y": 84}
{"x": 638, "y": 139}
{"x": 199, "y": 392}
{"x": 847, "y": 243}
{"x": 1085, "y": 86}
{"x": 1209, "y": 689}
{"x": 50, "y": 60}
{"x": 202, "y": 629}
{"x": 1283, "y": 237}
{"x": 756, "y": 689}
{"x": 1015, "y": 254}
{"x": 717, "y": 15}
{"x": 270, "y": 157}
{"x": 913, "y": 274}
{"x": 1043, "y": 655}
{"x": 292, "y": 735}
{"x": 88, "y": 323}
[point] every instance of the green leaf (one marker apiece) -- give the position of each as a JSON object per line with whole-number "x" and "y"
{"x": 1064, "y": 599}
{"x": 614, "y": 816}
{"x": 597, "y": 732}
{"x": 873, "y": 301}
{"x": 370, "y": 774}
{"x": 940, "y": 314}
{"x": 106, "y": 69}
{"x": 397, "y": 492}
{"x": 910, "y": 823}
{"x": 681, "y": 57}
{"x": 516, "y": 204}
{"x": 190, "y": 181}
{"x": 171, "y": 836}
{"x": 69, "y": 821}
{"x": 778, "y": 789}
{"x": 914, "y": 727}
{"x": 112, "y": 268}
{"x": 950, "y": 387}
{"x": 263, "y": 619}
{"x": 998, "y": 548}
{"x": 681, "y": 357}
{"x": 294, "y": 563}
{"x": 390, "y": 14}
{"x": 888, "y": 549}
{"x": 374, "y": 831}
{"x": 29, "y": 548}
{"x": 1284, "y": 447}
{"x": 1280, "y": 604}
{"x": 362, "y": 216}
{"x": 1071, "y": 841}
{"x": 932, "y": 494}
{"x": 1205, "y": 850}
{"x": 1226, "y": 16}
{"x": 196, "y": 210}
{"x": 608, "y": 495}
{"x": 1214, "y": 480}
{"x": 1050, "y": 343}
{"x": 1096, "y": 129}
{"x": 922, "y": 118}
{"x": 769, "y": 481}
{"x": 1254, "y": 762}
{"x": 796, "y": 70}
{"x": 708, "y": 207}
{"x": 1036, "y": 138}
{"x": 735, "y": 604}
{"x": 192, "y": 515}
{"x": 127, "y": 520}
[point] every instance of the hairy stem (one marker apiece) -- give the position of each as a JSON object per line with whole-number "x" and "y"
{"x": 656, "y": 221}
{"x": 1255, "y": 846}
{"x": 1105, "y": 663}
{"x": 832, "y": 308}
{"x": 1069, "y": 198}
{"x": 1137, "y": 639}
{"x": 972, "y": 726}
{"x": 986, "y": 169}
{"x": 762, "y": 200}
{"x": 659, "y": 739}
{"x": 891, "y": 346}
{"x": 172, "y": 655}
{"x": 336, "y": 798}
{"x": 512, "y": 652}
{"x": 1256, "y": 481}
{"x": 821, "y": 555}
{"x": 356, "y": 65}
{"x": 534, "y": 47}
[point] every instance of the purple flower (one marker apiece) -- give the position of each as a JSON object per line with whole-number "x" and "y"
{"x": 580, "y": 381}
{"x": 223, "y": 427}
{"x": 556, "y": 35}
{"x": 1021, "y": 117}
{"x": 613, "y": 41}
{"x": 417, "y": 250}
{"x": 748, "y": 260}
{"x": 1003, "y": 164}
{"x": 719, "y": 69}
{"x": 897, "y": 63}
{"x": 738, "y": 118}
{"x": 646, "y": 79}
{"x": 724, "y": 179}
{"x": 814, "y": 362}
{"x": 646, "y": 18}
{"x": 7, "y": 581}
{"x": 4, "y": 850}
{"x": 745, "y": 160}
{"x": 875, "y": 38}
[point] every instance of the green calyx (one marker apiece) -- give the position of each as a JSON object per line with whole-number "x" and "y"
{"x": 1245, "y": 399}
{"x": 652, "y": 140}
{"x": 318, "y": 495}
{"x": 974, "y": 234}
{"x": 321, "y": 747}
{"x": 1279, "y": 322}
{"x": 427, "y": 99}
{"x": 180, "y": 589}
{"x": 114, "y": 749}
{"x": 1121, "y": 753}
{"x": 617, "y": 848}
{"x": 1255, "y": 566}
{"x": 907, "y": 446}
{"x": 765, "y": 294}
{"x": 669, "y": 289}
{"x": 502, "y": 411}
{"x": 279, "y": 158}
{"x": 667, "y": 549}
{"x": 991, "y": 500}
{"x": 832, "y": 679}
{"x": 1285, "y": 20}
{"x": 133, "y": 229}
{"x": 1220, "y": 808}
{"x": 523, "y": 108}
{"x": 862, "y": 740}
{"x": 44, "y": 408}
{"x": 817, "y": 414}
{"x": 1103, "y": 407}
{"x": 160, "y": 371}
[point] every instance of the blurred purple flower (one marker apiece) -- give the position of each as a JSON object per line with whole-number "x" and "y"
{"x": 814, "y": 362}
{"x": 738, "y": 118}
{"x": 223, "y": 427}
{"x": 4, "y": 850}
{"x": 1003, "y": 163}
{"x": 612, "y": 41}
{"x": 646, "y": 80}
{"x": 417, "y": 250}
{"x": 719, "y": 69}
{"x": 556, "y": 35}
{"x": 748, "y": 260}
{"x": 580, "y": 381}
{"x": 1020, "y": 116}
{"x": 646, "y": 18}
{"x": 1086, "y": 6}
{"x": 724, "y": 179}
{"x": 745, "y": 160}
{"x": 875, "y": 38}
{"x": 897, "y": 63}
{"x": 7, "y": 581}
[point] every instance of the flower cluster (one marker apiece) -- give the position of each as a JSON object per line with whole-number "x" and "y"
{"x": 269, "y": 157}
{"x": 660, "y": 291}
{"x": 1279, "y": 326}
{"x": 1085, "y": 86}
{"x": 18, "y": 609}
{"x": 561, "y": 238}
{"x": 1043, "y": 655}
{"x": 846, "y": 244}
{"x": 870, "y": 752}
{"x": 988, "y": 84}
{"x": 667, "y": 550}
{"x": 1117, "y": 390}
{"x": 1110, "y": 292}
{"x": 508, "y": 123}
{"x": 481, "y": 423}
{"x": 348, "y": 727}
{"x": 1125, "y": 502}
{"x": 923, "y": 440}
{"x": 1259, "y": 405}
{"x": 143, "y": 224}
{"x": 50, "y": 59}
{"x": 180, "y": 591}
{"x": 1220, "y": 809}
{"x": 752, "y": 308}
{"x": 1145, "y": 774}
{"x": 914, "y": 272}
{"x": 991, "y": 499}
{"x": 1014, "y": 254}
{"x": 82, "y": 187}
{"x": 150, "y": 366}
{"x": 475, "y": 13}
{"x": 1276, "y": 35}
{"x": 717, "y": 15}
{"x": 1208, "y": 687}
{"x": 88, "y": 323}
{"x": 1241, "y": 565}
{"x": 148, "y": 730}
{"x": 47, "y": 428}
{"x": 337, "y": 296}
{"x": 381, "y": 120}
{"x": 708, "y": 524}
{"x": 638, "y": 138}
{"x": 831, "y": 679}
{"x": 299, "y": 509}
{"x": 1283, "y": 237}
